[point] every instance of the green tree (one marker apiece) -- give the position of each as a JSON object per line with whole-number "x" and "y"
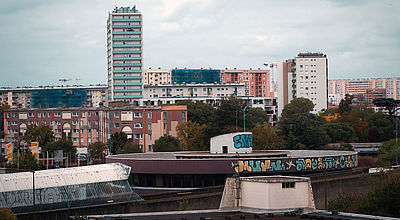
{"x": 190, "y": 136}
{"x": 388, "y": 103}
{"x": 302, "y": 131}
{"x": 97, "y": 151}
{"x": 118, "y": 140}
{"x": 26, "y": 162}
{"x": 388, "y": 151}
{"x": 130, "y": 148}
{"x": 198, "y": 112}
{"x": 166, "y": 144}
{"x": 358, "y": 124}
{"x": 65, "y": 145}
{"x": 380, "y": 123}
{"x": 7, "y": 214}
{"x": 256, "y": 117}
{"x": 382, "y": 200}
{"x": 296, "y": 106}
{"x": 265, "y": 138}
{"x": 42, "y": 134}
{"x": 339, "y": 132}
{"x": 345, "y": 104}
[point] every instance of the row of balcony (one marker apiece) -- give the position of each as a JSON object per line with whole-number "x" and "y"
{"x": 127, "y": 45}
{"x": 126, "y": 51}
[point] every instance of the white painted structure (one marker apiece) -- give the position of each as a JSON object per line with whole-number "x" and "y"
{"x": 268, "y": 193}
{"x": 239, "y": 142}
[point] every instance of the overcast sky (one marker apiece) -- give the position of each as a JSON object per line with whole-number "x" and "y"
{"x": 45, "y": 40}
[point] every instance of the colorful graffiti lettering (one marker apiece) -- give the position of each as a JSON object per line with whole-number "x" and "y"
{"x": 299, "y": 164}
{"x": 243, "y": 141}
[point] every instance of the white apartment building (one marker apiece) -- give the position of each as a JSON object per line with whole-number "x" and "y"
{"x": 156, "y": 76}
{"x": 208, "y": 93}
{"x": 124, "y": 54}
{"x": 304, "y": 76}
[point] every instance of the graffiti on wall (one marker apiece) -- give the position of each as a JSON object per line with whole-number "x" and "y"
{"x": 243, "y": 141}
{"x": 296, "y": 164}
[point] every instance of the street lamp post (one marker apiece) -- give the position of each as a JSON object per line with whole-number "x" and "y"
{"x": 397, "y": 137}
{"x": 244, "y": 117}
{"x": 33, "y": 191}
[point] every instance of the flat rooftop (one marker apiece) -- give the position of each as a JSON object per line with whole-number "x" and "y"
{"x": 198, "y": 155}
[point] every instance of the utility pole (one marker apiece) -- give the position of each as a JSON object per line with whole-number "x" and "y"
{"x": 244, "y": 116}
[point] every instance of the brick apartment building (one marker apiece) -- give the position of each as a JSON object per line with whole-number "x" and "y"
{"x": 143, "y": 125}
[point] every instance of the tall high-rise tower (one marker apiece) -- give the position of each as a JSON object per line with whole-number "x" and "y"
{"x": 304, "y": 76}
{"x": 124, "y": 54}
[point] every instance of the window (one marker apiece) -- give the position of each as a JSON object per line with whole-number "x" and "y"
{"x": 116, "y": 125}
{"x": 31, "y": 114}
{"x": 138, "y": 125}
{"x": 14, "y": 123}
{"x": 165, "y": 115}
{"x": 150, "y": 147}
{"x": 150, "y": 137}
{"x": 75, "y": 139}
{"x": 287, "y": 185}
{"x": 116, "y": 114}
{"x": 138, "y": 136}
{"x": 138, "y": 114}
{"x": 58, "y": 122}
{"x": 48, "y": 114}
{"x": 149, "y": 126}
{"x": 75, "y": 130}
{"x": 149, "y": 115}
{"x": 57, "y": 114}
{"x": 39, "y": 115}
{"x": 75, "y": 114}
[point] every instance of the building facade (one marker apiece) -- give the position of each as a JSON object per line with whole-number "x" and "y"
{"x": 124, "y": 54}
{"x": 157, "y": 76}
{"x": 143, "y": 125}
{"x": 304, "y": 76}
{"x": 54, "y": 96}
{"x": 180, "y": 76}
{"x": 257, "y": 82}
{"x": 376, "y": 87}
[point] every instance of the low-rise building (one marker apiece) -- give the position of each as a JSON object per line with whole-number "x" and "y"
{"x": 54, "y": 96}
{"x": 143, "y": 125}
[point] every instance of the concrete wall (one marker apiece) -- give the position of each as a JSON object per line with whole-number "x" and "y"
{"x": 235, "y": 142}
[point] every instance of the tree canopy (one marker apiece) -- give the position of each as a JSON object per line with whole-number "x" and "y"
{"x": 42, "y": 134}
{"x": 296, "y": 106}
{"x": 339, "y": 132}
{"x": 65, "y": 145}
{"x": 166, "y": 144}
{"x": 27, "y": 161}
{"x": 118, "y": 140}
{"x": 190, "y": 136}
{"x": 265, "y": 138}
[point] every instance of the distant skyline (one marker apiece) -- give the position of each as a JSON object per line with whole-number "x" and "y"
{"x": 47, "y": 40}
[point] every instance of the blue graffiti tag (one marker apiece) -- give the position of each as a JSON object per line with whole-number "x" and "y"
{"x": 243, "y": 141}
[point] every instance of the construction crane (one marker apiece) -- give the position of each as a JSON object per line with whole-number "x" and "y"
{"x": 64, "y": 80}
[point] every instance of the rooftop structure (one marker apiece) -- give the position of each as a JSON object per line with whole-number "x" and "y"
{"x": 66, "y": 188}
{"x": 159, "y": 171}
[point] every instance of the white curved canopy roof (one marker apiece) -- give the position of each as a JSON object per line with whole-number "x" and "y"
{"x": 64, "y": 176}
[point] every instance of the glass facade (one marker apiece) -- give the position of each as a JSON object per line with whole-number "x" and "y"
{"x": 56, "y": 98}
{"x": 180, "y": 76}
